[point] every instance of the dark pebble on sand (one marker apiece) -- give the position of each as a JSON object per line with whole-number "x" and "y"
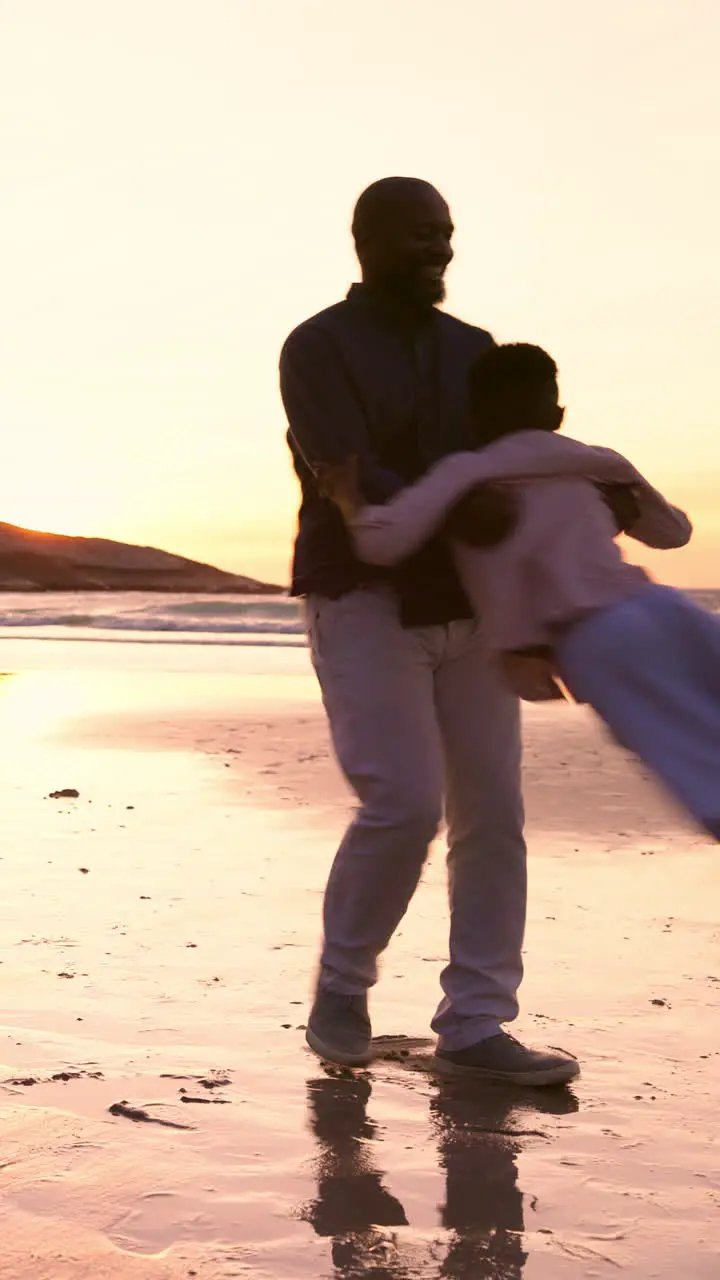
{"x": 77, "y": 1075}
{"x": 138, "y": 1115}
{"x": 218, "y": 1102}
{"x": 68, "y": 793}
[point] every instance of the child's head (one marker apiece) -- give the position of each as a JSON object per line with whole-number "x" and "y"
{"x": 513, "y": 388}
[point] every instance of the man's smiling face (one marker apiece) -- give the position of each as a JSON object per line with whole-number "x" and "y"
{"x": 408, "y": 248}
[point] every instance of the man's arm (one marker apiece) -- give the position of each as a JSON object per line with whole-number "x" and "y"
{"x": 326, "y": 421}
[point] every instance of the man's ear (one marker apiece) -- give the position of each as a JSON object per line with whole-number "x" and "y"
{"x": 559, "y": 417}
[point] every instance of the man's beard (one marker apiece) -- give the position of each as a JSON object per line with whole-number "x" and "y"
{"x": 415, "y": 290}
{"x": 428, "y": 292}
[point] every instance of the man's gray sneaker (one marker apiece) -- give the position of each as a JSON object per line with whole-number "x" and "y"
{"x": 502, "y": 1057}
{"x": 339, "y": 1029}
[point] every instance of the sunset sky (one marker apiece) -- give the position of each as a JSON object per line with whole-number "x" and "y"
{"x": 177, "y": 184}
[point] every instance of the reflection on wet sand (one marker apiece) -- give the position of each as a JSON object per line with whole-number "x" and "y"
{"x": 479, "y": 1133}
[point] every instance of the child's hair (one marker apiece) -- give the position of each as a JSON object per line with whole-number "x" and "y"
{"x": 513, "y": 388}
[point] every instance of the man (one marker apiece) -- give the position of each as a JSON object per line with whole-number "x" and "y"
{"x": 417, "y": 711}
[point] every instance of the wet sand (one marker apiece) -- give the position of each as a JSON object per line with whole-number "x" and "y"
{"x": 158, "y": 937}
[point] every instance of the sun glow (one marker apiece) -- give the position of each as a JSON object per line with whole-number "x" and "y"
{"x": 64, "y": 506}
{"x": 160, "y": 244}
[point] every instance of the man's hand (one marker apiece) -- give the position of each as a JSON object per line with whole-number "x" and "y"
{"x": 531, "y": 677}
{"x": 339, "y": 482}
{"x": 623, "y": 504}
{"x": 484, "y": 517}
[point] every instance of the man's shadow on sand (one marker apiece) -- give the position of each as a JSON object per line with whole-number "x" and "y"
{"x": 479, "y": 1131}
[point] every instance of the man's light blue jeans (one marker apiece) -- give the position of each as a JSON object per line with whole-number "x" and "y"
{"x": 423, "y": 726}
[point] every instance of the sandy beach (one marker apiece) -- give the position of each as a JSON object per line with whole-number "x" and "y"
{"x": 161, "y": 1117}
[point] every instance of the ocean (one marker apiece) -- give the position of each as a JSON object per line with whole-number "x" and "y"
{"x": 152, "y": 618}
{"x": 155, "y": 618}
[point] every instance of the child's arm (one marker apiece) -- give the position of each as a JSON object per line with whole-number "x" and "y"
{"x": 659, "y": 524}
{"x": 483, "y": 516}
{"x": 389, "y": 534}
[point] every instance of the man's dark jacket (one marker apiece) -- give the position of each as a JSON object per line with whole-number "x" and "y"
{"x": 362, "y": 379}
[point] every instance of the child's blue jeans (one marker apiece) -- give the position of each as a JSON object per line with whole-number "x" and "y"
{"x": 650, "y": 667}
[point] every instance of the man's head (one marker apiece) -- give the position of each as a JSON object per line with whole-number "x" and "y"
{"x": 513, "y": 388}
{"x": 402, "y": 230}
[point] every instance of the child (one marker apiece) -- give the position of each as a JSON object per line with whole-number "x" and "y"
{"x": 643, "y": 656}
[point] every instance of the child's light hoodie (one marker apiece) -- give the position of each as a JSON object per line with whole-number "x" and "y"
{"x": 560, "y": 563}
